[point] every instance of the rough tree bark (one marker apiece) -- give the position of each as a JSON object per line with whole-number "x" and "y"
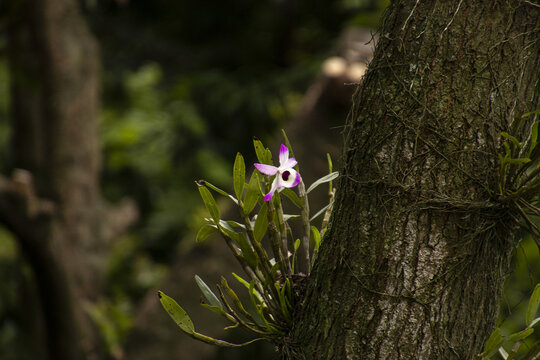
{"x": 53, "y": 206}
{"x": 413, "y": 263}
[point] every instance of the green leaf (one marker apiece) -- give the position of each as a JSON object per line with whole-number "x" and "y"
{"x": 282, "y": 302}
{"x": 534, "y": 322}
{"x": 228, "y": 230}
{"x": 241, "y": 281}
{"x": 534, "y": 137}
{"x": 178, "y": 314}
{"x": 215, "y": 309}
{"x": 261, "y": 223}
{"x": 219, "y": 191}
{"x": 239, "y": 175}
{"x": 209, "y": 202}
{"x": 520, "y": 335}
{"x": 247, "y": 251}
{"x": 233, "y": 296}
{"x": 511, "y": 138}
{"x": 296, "y": 244}
{"x": 531, "y": 113}
{"x": 316, "y": 237}
{"x": 323, "y": 180}
{"x": 287, "y": 217}
{"x": 253, "y": 193}
{"x": 261, "y": 152}
{"x": 207, "y": 292}
{"x": 205, "y": 231}
{"x": 493, "y": 343}
{"x": 520, "y": 161}
{"x": 319, "y": 213}
{"x": 293, "y": 197}
{"x": 534, "y": 302}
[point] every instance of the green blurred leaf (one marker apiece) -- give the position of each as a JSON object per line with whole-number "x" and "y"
{"x": 323, "y": 180}
{"x": 293, "y": 197}
{"x": 261, "y": 223}
{"x": 205, "y": 231}
{"x": 534, "y": 322}
{"x": 207, "y": 292}
{"x": 320, "y": 212}
{"x": 534, "y": 137}
{"x": 253, "y": 193}
{"x": 520, "y": 161}
{"x": 215, "y": 309}
{"x": 520, "y": 335}
{"x": 209, "y": 202}
{"x": 316, "y": 237}
{"x": 511, "y": 138}
{"x": 296, "y": 244}
{"x": 239, "y": 175}
{"x": 531, "y": 113}
{"x": 493, "y": 343}
{"x": 178, "y": 314}
{"x": 247, "y": 251}
{"x": 532, "y": 308}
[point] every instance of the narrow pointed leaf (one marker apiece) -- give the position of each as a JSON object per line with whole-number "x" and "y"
{"x": 319, "y": 213}
{"x": 293, "y": 197}
{"x": 219, "y": 191}
{"x": 323, "y": 180}
{"x": 241, "y": 281}
{"x": 207, "y": 292}
{"x": 205, "y": 231}
{"x": 261, "y": 223}
{"x": 261, "y": 152}
{"x": 493, "y": 343}
{"x": 209, "y": 202}
{"x": 239, "y": 175}
{"x": 534, "y": 137}
{"x": 520, "y": 335}
{"x": 253, "y": 193}
{"x": 316, "y": 237}
{"x": 532, "y": 308}
{"x": 511, "y": 138}
{"x": 534, "y": 322}
{"x": 178, "y": 314}
{"x": 215, "y": 309}
{"x": 247, "y": 251}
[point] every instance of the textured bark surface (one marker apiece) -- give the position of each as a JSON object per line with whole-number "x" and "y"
{"x": 413, "y": 264}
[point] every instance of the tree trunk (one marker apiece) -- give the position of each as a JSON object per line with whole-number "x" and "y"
{"x": 55, "y": 102}
{"x": 413, "y": 263}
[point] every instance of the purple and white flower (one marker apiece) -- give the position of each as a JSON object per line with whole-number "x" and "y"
{"x": 286, "y": 176}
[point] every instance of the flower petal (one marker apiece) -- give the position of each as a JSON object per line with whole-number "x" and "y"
{"x": 290, "y": 163}
{"x": 283, "y": 155}
{"x": 266, "y": 169}
{"x": 296, "y": 180}
{"x": 268, "y": 196}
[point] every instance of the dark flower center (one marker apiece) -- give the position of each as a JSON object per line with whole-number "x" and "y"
{"x": 285, "y": 175}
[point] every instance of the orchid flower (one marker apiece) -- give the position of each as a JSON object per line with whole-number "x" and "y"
{"x": 286, "y": 176}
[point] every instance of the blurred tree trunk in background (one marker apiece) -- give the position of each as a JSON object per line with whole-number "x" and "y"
{"x": 413, "y": 264}
{"x": 53, "y": 206}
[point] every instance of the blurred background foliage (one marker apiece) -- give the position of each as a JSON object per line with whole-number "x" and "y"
{"x": 187, "y": 84}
